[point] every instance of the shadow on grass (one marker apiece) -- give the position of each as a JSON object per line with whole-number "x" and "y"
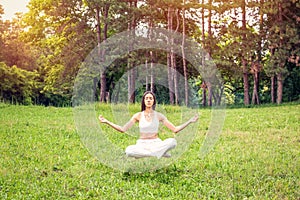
{"x": 164, "y": 175}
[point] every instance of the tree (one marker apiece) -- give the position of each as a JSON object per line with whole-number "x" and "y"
{"x": 256, "y": 66}
{"x": 16, "y": 51}
{"x": 53, "y": 39}
{"x": 17, "y": 85}
{"x": 282, "y": 40}
{"x": 61, "y": 32}
{"x": 101, "y": 14}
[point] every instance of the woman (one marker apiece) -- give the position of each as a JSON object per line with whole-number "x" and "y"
{"x": 149, "y": 144}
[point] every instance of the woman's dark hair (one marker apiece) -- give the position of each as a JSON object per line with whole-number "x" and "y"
{"x": 143, "y": 100}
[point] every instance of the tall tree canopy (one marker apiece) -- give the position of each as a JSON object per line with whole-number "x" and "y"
{"x": 254, "y": 44}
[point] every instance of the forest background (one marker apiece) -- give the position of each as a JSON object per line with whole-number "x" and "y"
{"x": 255, "y": 44}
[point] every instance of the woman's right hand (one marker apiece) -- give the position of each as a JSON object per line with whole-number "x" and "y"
{"x": 102, "y": 119}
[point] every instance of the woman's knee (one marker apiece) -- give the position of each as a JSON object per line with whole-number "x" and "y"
{"x": 172, "y": 142}
{"x": 129, "y": 150}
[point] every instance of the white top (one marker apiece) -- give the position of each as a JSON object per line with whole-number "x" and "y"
{"x": 149, "y": 127}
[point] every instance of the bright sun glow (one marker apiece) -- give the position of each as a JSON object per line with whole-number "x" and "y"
{"x": 13, "y": 6}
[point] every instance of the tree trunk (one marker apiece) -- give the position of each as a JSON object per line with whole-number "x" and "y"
{"x": 273, "y": 89}
{"x": 100, "y": 54}
{"x": 210, "y": 93}
{"x": 281, "y": 65}
{"x": 96, "y": 81}
{"x": 152, "y": 77}
{"x": 279, "y": 88}
{"x": 175, "y": 78}
{"x": 246, "y": 82}
{"x": 147, "y": 78}
{"x": 131, "y": 70}
{"x": 98, "y": 27}
{"x": 106, "y": 9}
{"x": 170, "y": 79}
{"x": 133, "y": 77}
{"x": 174, "y": 64}
{"x": 103, "y": 87}
{"x": 170, "y": 58}
{"x": 186, "y": 92}
{"x": 255, "y": 68}
{"x": 203, "y": 86}
{"x": 244, "y": 61}
{"x": 255, "y": 97}
{"x": 209, "y": 85}
{"x": 151, "y": 86}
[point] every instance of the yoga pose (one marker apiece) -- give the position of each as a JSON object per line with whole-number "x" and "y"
{"x": 149, "y": 144}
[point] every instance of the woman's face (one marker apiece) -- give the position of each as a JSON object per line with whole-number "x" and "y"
{"x": 149, "y": 100}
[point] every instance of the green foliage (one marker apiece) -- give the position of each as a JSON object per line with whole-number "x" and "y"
{"x": 283, "y": 36}
{"x": 55, "y": 36}
{"x": 17, "y": 85}
{"x": 61, "y": 31}
{"x": 292, "y": 83}
{"x": 42, "y": 157}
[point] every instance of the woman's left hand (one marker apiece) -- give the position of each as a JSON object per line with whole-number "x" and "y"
{"x": 195, "y": 118}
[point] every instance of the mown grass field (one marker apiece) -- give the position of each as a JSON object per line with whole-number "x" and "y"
{"x": 256, "y": 157}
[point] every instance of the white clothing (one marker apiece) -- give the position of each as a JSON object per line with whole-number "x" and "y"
{"x": 149, "y": 127}
{"x": 151, "y": 147}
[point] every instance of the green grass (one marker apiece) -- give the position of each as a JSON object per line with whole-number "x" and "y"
{"x": 256, "y": 157}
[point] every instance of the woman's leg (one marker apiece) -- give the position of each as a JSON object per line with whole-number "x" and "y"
{"x": 137, "y": 151}
{"x": 160, "y": 149}
{"x": 147, "y": 148}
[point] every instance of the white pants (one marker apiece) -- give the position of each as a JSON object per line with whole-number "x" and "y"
{"x": 151, "y": 147}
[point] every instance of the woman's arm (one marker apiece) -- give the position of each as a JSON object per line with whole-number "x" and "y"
{"x": 176, "y": 129}
{"x": 121, "y": 129}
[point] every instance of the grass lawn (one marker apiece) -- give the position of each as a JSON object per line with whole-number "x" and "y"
{"x": 256, "y": 157}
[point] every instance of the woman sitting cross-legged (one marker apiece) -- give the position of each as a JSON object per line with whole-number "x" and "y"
{"x": 149, "y": 144}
